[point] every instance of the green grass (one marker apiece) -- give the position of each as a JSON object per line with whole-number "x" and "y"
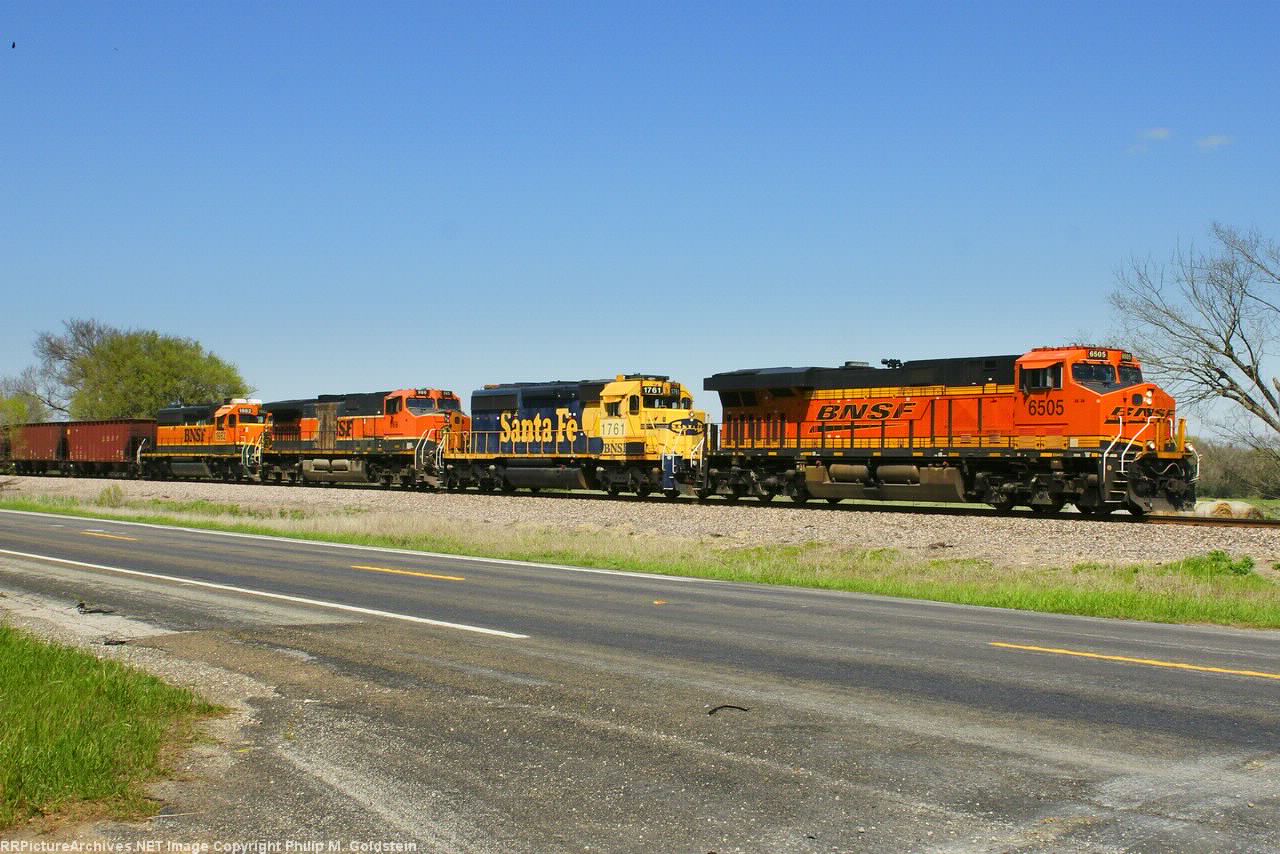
{"x": 1215, "y": 588}
{"x": 77, "y": 729}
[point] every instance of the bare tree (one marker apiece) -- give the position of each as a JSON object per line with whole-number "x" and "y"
{"x": 1204, "y": 323}
{"x": 62, "y": 359}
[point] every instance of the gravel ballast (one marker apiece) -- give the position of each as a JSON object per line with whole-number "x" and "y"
{"x": 1009, "y": 541}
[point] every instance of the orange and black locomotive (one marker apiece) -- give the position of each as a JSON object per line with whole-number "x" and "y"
{"x": 1055, "y": 426}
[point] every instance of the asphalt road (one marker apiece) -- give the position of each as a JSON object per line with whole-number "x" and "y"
{"x": 485, "y": 705}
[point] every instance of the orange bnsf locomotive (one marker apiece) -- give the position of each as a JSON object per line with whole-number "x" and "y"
{"x": 388, "y": 437}
{"x": 1056, "y": 426}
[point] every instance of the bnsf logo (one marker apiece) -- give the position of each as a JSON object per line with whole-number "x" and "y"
{"x": 1137, "y": 413}
{"x": 193, "y": 435}
{"x": 864, "y": 411}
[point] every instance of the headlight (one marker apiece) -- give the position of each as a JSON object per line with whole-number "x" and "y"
{"x": 1149, "y": 397}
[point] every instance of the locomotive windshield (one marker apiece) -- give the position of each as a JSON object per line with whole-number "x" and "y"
{"x": 1102, "y": 377}
{"x": 424, "y": 405}
{"x": 673, "y": 402}
{"x": 1130, "y": 375}
{"x": 1094, "y": 376}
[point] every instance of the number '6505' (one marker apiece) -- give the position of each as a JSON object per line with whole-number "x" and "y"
{"x": 1045, "y": 407}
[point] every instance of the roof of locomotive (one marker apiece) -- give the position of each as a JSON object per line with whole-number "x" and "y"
{"x": 504, "y": 395}
{"x": 975, "y": 370}
{"x": 195, "y": 414}
{"x": 349, "y": 405}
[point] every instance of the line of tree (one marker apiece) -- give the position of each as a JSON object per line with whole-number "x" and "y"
{"x": 92, "y": 371}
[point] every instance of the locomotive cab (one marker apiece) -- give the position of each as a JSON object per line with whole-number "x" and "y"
{"x": 1094, "y": 403}
{"x": 651, "y": 417}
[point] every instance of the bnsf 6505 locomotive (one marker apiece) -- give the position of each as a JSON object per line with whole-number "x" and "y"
{"x": 1071, "y": 425}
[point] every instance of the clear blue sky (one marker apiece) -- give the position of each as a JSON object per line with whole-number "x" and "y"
{"x": 343, "y": 197}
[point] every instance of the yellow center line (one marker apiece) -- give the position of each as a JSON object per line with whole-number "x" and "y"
{"x": 108, "y": 536}
{"x": 1150, "y": 662}
{"x": 408, "y": 572}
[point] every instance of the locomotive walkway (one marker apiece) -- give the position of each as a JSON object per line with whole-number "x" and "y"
{"x": 490, "y": 705}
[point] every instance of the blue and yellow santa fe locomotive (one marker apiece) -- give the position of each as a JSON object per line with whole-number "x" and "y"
{"x": 635, "y": 433}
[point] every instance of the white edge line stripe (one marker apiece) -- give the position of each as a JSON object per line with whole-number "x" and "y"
{"x": 355, "y": 609}
{"x": 383, "y": 549}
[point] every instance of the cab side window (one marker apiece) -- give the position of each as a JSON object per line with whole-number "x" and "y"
{"x": 1042, "y": 379}
{"x": 634, "y": 404}
{"x": 393, "y": 406}
{"x": 613, "y": 409}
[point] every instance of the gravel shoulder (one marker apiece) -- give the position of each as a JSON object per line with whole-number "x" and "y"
{"x": 1017, "y": 542}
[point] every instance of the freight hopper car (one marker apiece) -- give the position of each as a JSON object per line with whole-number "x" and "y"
{"x": 386, "y": 437}
{"x": 1054, "y": 426}
{"x": 102, "y": 448}
{"x": 635, "y": 433}
{"x": 218, "y": 441}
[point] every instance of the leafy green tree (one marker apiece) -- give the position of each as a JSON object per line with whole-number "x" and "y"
{"x": 17, "y": 406}
{"x": 133, "y": 374}
{"x": 95, "y": 371}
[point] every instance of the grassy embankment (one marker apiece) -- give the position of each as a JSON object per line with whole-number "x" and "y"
{"x": 1213, "y": 588}
{"x": 78, "y": 733}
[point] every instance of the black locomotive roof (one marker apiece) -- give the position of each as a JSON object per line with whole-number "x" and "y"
{"x": 172, "y": 416}
{"x": 976, "y": 370}
{"x": 349, "y": 405}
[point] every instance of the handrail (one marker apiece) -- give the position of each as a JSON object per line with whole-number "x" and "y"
{"x": 1197, "y": 453}
{"x": 1134, "y": 438}
{"x": 418, "y": 459}
{"x": 1107, "y": 452}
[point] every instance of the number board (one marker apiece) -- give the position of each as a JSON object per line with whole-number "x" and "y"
{"x": 1098, "y": 354}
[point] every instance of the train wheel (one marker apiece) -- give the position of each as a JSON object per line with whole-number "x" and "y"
{"x": 834, "y": 500}
{"x": 1002, "y": 507}
{"x": 703, "y": 494}
{"x": 1048, "y": 509}
{"x": 671, "y": 493}
{"x": 613, "y": 488}
{"x": 766, "y": 497}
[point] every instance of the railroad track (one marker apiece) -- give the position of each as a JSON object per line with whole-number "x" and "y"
{"x": 959, "y": 510}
